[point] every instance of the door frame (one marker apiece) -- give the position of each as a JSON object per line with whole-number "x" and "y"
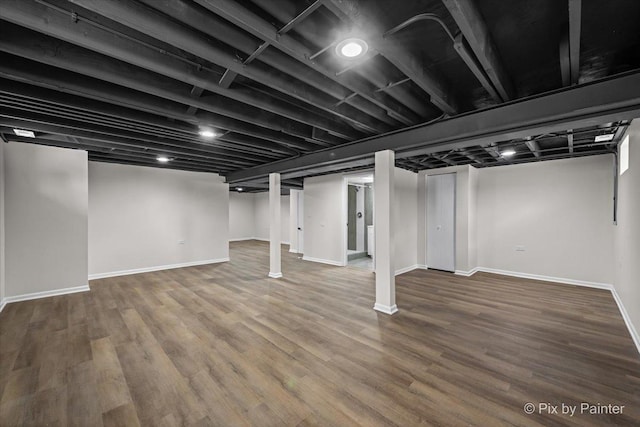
{"x": 455, "y": 218}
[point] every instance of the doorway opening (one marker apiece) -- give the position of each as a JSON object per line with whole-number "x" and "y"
{"x": 360, "y": 233}
{"x": 441, "y": 222}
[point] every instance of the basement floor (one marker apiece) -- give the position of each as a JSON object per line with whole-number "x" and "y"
{"x": 225, "y": 345}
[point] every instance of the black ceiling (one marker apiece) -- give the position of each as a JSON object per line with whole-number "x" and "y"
{"x": 131, "y": 80}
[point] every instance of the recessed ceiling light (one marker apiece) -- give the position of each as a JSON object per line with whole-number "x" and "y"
{"x": 207, "y": 133}
{"x": 604, "y": 138}
{"x": 352, "y": 48}
{"x": 26, "y": 133}
{"x": 508, "y": 153}
{"x": 240, "y": 189}
{"x": 163, "y": 159}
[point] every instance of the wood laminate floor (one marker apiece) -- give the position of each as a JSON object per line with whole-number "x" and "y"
{"x": 222, "y": 345}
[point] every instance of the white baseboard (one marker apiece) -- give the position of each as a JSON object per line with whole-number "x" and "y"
{"x": 323, "y": 261}
{"x": 422, "y": 267}
{"x": 275, "y": 275}
{"x": 156, "y": 268}
{"x": 467, "y": 273}
{"x": 260, "y": 239}
{"x": 575, "y": 282}
{"x": 44, "y": 294}
{"x": 406, "y": 269}
{"x": 386, "y": 309}
{"x": 2, "y": 304}
{"x": 627, "y": 320}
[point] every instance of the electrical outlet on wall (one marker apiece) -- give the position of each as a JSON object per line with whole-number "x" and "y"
{"x": 181, "y": 242}
{"x": 519, "y": 248}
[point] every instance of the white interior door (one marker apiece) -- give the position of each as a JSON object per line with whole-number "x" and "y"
{"x": 441, "y": 220}
{"x": 300, "y": 221}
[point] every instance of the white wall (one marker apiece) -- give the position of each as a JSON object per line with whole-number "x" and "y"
{"x": 139, "y": 216}
{"x": 324, "y": 219}
{"x": 45, "y": 219}
{"x": 2, "y": 232}
{"x": 261, "y": 217}
{"x": 323, "y": 230}
{"x": 627, "y": 236}
{"x": 405, "y": 219}
{"x": 241, "y": 216}
{"x": 560, "y": 211}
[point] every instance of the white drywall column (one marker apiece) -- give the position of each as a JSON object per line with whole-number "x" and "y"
{"x": 383, "y": 228}
{"x": 274, "y": 226}
{"x": 2, "y": 232}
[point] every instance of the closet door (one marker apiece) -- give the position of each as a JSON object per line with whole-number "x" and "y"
{"x": 441, "y": 220}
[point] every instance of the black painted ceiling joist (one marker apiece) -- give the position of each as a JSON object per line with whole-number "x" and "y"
{"x": 155, "y": 25}
{"x": 125, "y": 71}
{"x": 234, "y": 12}
{"x": 412, "y": 67}
{"x": 590, "y": 104}
{"x": 476, "y": 33}
{"x": 86, "y": 87}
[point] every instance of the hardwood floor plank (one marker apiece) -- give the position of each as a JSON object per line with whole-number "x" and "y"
{"x": 224, "y": 345}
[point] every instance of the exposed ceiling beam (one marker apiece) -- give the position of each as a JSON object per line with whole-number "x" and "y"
{"x": 551, "y": 157}
{"x": 398, "y": 54}
{"x": 221, "y": 29}
{"x": 476, "y": 33}
{"x": 252, "y": 23}
{"x": 533, "y": 146}
{"x": 315, "y": 34}
{"x": 570, "y": 45}
{"x": 575, "y": 31}
{"x": 300, "y": 17}
{"x": 43, "y": 76}
{"x": 570, "y": 140}
{"x": 123, "y": 153}
{"x": 85, "y": 62}
{"x": 104, "y": 42}
{"x": 41, "y": 123}
{"x": 470, "y": 155}
{"x": 461, "y": 46}
{"x": 587, "y": 105}
{"x": 163, "y": 28}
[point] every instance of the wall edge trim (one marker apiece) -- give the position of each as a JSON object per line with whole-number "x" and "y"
{"x": 564, "y": 280}
{"x": 323, "y": 261}
{"x": 627, "y": 320}
{"x": 44, "y": 294}
{"x": 155, "y": 268}
{"x": 406, "y": 269}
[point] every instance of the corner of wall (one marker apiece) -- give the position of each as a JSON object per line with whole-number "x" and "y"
{"x": 2, "y": 232}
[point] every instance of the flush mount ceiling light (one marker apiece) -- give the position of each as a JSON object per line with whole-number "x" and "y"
{"x": 26, "y": 133}
{"x": 163, "y": 159}
{"x": 207, "y": 133}
{"x": 604, "y": 138}
{"x": 352, "y": 48}
{"x": 508, "y": 153}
